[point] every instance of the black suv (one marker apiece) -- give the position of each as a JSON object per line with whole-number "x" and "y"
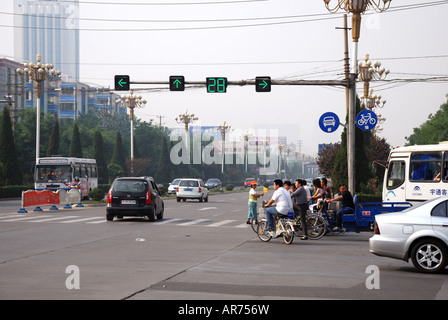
{"x": 134, "y": 196}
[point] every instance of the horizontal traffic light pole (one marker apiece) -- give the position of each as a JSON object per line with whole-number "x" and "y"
{"x": 343, "y": 83}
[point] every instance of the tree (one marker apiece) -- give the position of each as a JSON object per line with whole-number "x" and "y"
{"x": 118, "y": 155}
{"x": 53, "y": 146}
{"x": 98, "y": 154}
{"x": 362, "y": 167}
{"x": 326, "y": 158}
{"x": 164, "y": 172}
{"x": 10, "y": 171}
{"x": 75, "y": 145}
{"x": 434, "y": 130}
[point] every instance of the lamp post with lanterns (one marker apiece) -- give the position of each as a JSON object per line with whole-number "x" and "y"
{"x": 132, "y": 101}
{"x": 356, "y": 7}
{"x": 38, "y": 72}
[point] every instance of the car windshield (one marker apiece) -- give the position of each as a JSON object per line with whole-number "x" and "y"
{"x": 175, "y": 182}
{"x": 189, "y": 183}
{"x": 130, "y": 185}
{"x": 212, "y": 181}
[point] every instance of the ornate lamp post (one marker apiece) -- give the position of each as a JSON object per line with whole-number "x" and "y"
{"x": 356, "y": 7}
{"x": 132, "y": 101}
{"x": 38, "y": 72}
{"x": 369, "y": 72}
{"x": 223, "y": 129}
{"x": 186, "y": 119}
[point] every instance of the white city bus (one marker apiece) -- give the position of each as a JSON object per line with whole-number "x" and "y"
{"x": 416, "y": 173}
{"x": 60, "y": 172}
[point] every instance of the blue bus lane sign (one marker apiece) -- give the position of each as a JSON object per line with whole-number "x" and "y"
{"x": 329, "y": 122}
{"x": 366, "y": 120}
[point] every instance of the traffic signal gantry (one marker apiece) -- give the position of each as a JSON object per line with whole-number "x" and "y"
{"x": 219, "y": 84}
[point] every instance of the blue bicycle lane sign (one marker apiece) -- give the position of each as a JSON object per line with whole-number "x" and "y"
{"x": 329, "y": 122}
{"x": 366, "y": 120}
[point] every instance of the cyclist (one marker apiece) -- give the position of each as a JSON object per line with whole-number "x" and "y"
{"x": 283, "y": 203}
{"x": 300, "y": 203}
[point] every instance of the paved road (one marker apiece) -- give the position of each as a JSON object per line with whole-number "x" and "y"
{"x": 199, "y": 251}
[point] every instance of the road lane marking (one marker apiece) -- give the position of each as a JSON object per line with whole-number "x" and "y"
{"x": 208, "y": 208}
{"x": 21, "y": 218}
{"x": 169, "y": 221}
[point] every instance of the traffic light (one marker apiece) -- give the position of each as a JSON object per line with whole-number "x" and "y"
{"x": 216, "y": 85}
{"x": 263, "y": 84}
{"x": 177, "y": 83}
{"x": 122, "y": 83}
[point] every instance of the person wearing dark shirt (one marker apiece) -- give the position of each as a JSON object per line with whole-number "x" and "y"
{"x": 347, "y": 202}
{"x": 300, "y": 204}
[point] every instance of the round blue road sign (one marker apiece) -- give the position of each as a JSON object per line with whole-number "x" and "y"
{"x": 329, "y": 122}
{"x": 366, "y": 120}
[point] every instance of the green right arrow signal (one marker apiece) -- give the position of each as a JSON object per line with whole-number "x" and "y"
{"x": 263, "y": 84}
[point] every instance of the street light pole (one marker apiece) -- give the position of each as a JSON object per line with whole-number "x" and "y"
{"x": 132, "y": 101}
{"x": 356, "y": 7}
{"x": 38, "y": 72}
{"x": 223, "y": 128}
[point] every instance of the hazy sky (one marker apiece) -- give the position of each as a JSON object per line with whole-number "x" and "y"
{"x": 286, "y": 39}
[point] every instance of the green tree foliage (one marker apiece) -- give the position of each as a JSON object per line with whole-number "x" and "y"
{"x": 10, "y": 171}
{"x": 118, "y": 155}
{"x": 164, "y": 173}
{"x": 362, "y": 166}
{"x": 432, "y": 131}
{"x": 98, "y": 154}
{"x": 75, "y": 145}
{"x": 53, "y": 146}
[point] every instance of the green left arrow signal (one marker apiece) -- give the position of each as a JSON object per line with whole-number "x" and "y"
{"x": 122, "y": 83}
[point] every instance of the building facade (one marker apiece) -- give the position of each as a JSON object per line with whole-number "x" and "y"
{"x": 49, "y": 28}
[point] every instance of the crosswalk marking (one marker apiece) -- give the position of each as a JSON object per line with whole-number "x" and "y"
{"x": 220, "y": 223}
{"x": 169, "y": 221}
{"x": 53, "y": 219}
{"x": 21, "y": 218}
{"x": 82, "y": 219}
{"x": 192, "y": 222}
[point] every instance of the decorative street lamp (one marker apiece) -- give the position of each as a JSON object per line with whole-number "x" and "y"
{"x": 186, "y": 119}
{"x": 356, "y": 7}
{"x": 38, "y": 72}
{"x": 132, "y": 101}
{"x": 369, "y": 72}
{"x": 223, "y": 129}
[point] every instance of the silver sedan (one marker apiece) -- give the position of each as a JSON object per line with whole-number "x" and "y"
{"x": 419, "y": 233}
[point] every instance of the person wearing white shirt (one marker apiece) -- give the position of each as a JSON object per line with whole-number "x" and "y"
{"x": 283, "y": 202}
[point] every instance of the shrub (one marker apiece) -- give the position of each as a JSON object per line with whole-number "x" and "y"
{"x": 229, "y": 187}
{"x": 96, "y": 194}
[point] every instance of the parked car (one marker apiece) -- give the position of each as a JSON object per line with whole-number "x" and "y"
{"x": 173, "y": 186}
{"x": 134, "y": 196}
{"x": 419, "y": 233}
{"x": 213, "y": 183}
{"x": 247, "y": 182}
{"x": 192, "y": 189}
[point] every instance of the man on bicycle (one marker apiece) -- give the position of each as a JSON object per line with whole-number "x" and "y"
{"x": 283, "y": 203}
{"x": 301, "y": 205}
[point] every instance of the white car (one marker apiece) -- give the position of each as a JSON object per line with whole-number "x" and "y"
{"x": 419, "y": 233}
{"x": 172, "y": 189}
{"x": 192, "y": 189}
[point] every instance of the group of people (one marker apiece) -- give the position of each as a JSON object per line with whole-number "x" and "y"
{"x": 296, "y": 198}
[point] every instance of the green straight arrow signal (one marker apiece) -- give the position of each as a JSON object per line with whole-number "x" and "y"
{"x": 177, "y": 83}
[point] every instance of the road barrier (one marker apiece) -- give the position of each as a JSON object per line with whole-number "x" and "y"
{"x": 39, "y": 198}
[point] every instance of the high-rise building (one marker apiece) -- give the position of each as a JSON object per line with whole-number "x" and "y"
{"x": 49, "y": 28}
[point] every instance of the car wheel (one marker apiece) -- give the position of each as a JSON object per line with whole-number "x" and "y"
{"x": 201, "y": 199}
{"x": 206, "y": 199}
{"x": 429, "y": 256}
{"x": 109, "y": 217}
{"x": 151, "y": 216}
{"x": 178, "y": 199}
{"x": 160, "y": 214}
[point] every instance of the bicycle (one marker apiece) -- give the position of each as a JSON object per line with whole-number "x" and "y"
{"x": 255, "y": 220}
{"x": 284, "y": 228}
{"x": 316, "y": 226}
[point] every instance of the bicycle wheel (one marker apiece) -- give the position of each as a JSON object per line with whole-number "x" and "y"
{"x": 261, "y": 231}
{"x": 288, "y": 235}
{"x": 298, "y": 228}
{"x": 316, "y": 226}
{"x": 254, "y": 223}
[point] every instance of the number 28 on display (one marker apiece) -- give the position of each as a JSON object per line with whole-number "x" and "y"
{"x": 216, "y": 85}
